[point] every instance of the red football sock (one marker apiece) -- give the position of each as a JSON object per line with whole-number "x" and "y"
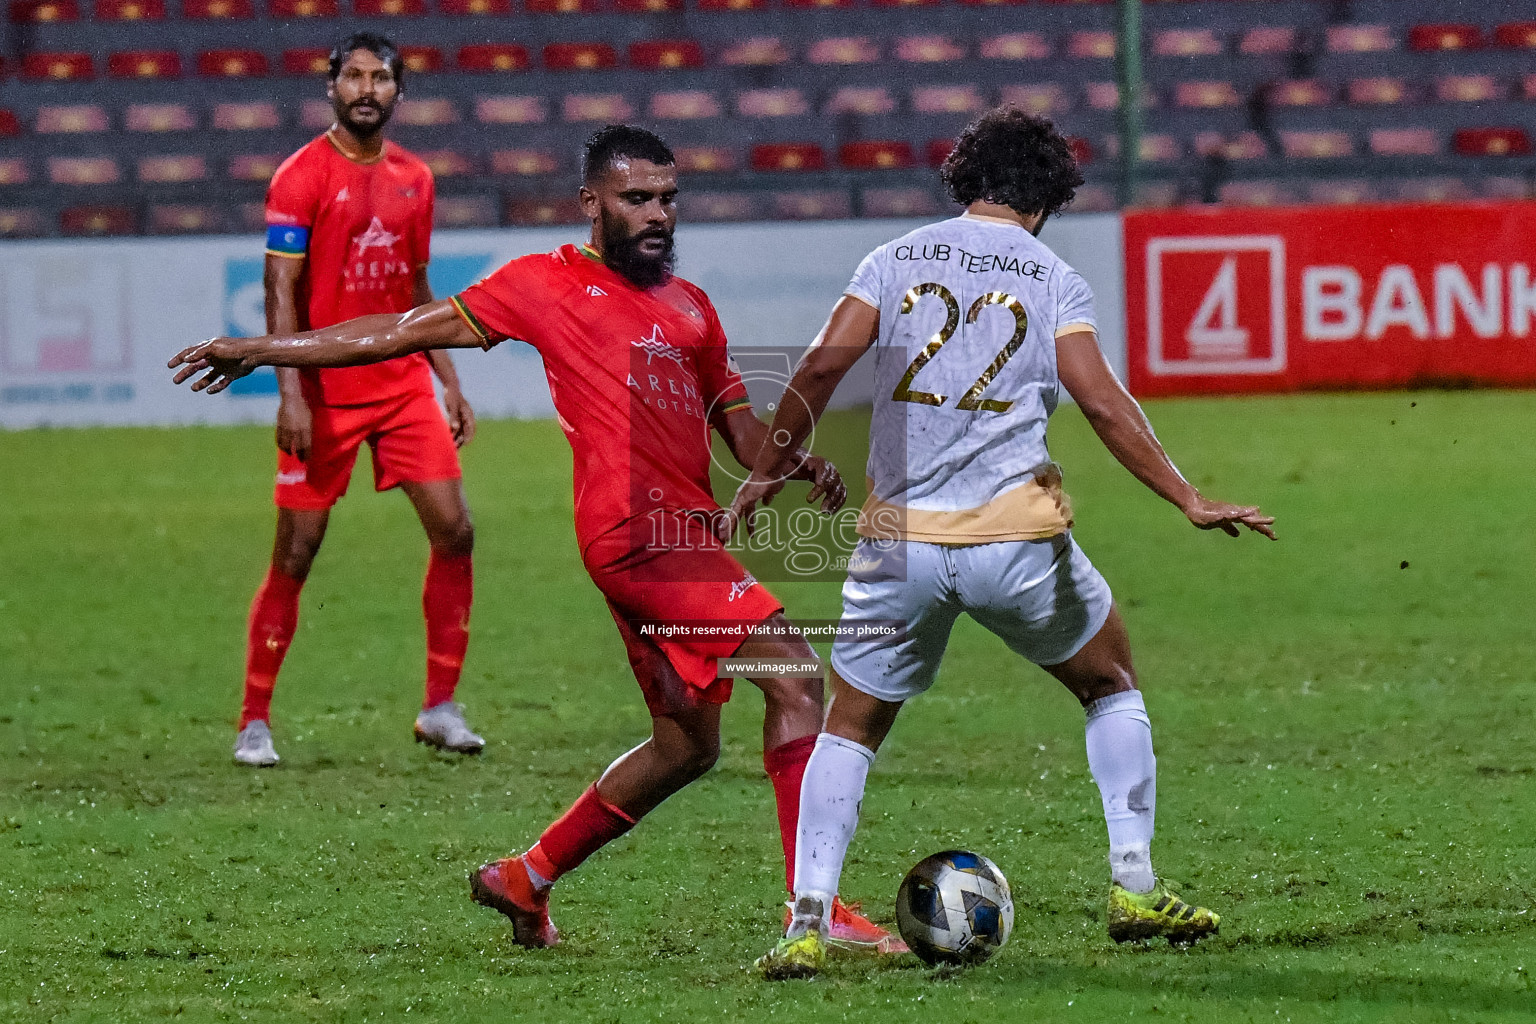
{"x": 587, "y": 827}
{"x": 274, "y": 617}
{"x": 445, "y": 598}
{"x": 786, "y": 767}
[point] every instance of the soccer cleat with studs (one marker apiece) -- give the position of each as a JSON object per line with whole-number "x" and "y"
{"x": 1134, "y": 916}
{"x": 443, "y": 726}
{"x": 504, "y": 885}
{"x": 253, "y": 746}
{"x": 802, "y": 956}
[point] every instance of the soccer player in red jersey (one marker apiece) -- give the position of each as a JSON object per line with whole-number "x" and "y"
{"x": 349, "y": 219}
{"x": 637, "y": 366}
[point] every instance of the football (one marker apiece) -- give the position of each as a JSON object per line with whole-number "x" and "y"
{"x": 954, "y": 908}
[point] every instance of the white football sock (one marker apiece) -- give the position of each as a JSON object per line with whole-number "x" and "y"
{"x": 1120, "y": 757}
{"x": 829, "y": 812}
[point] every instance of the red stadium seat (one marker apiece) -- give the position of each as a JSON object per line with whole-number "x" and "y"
{"x": 511, "y": 110}
{"x": 561, "y": 6}
{"x": 875, "y": 156}
{"x": 306, "y": 61}
{"x": 461, "y": 8}
{"x": 526, "y": 162}
{"x": 772, "y": 103}
{"x": 493, "y": 57}
{"x": 732, "y": 5}
{"x": 1308, "y": 92}
{"x": 426, "y": 113}
{"x": 464, "y": 212}
{"x": 1492, "y": 142}
{"x": 14, "y": 171}
{"x": 1316, "y": 145}
{"x": 1156, "y": 147}
{"x": 822, "y": 204}
{"x": 1206, "y": 95}
{"x": 723, "y": 206}
{"x": 144, "y": 64}
{"x": 22, "y": 222}
{"x": 1445, "y": 37}
{"x": 1082, "y": 149}
{"x": 448, "y": 163}
{"x": 704, "y": 160}
{"x": 304, "y": 9}
{"x": 992, "y": 3}
{"x": 257, "y": 115}
{"x": 184, "y": 219}
{"x": 218, "y": 9}
{"x": 608, "y": 106}
{"x": 165, "y": 169}
{"x": 788, "y": 156}
{"x": 579, "y": 56}
{"x": 905, "y": 3}
{"x": 938, "y": 150}
{"x": 802, "y": 4}
{"x": 83, "y": 170}
{"x": 1404, "y": 142}
{"x": 1041, "y": 100}
{"x": 898, "y": 202}
{"x": 685, "y": 105}
{"x": 421, "y": 60}
{"x": 10, "y": 125}
{"x": 1102, "y": 95}
{"x": 43, "y": 12}
{"x": 130, "y": 10}
{"x": 649, "y": 6}
{"x": 97, "y": 220}
{"x": 1092, "y": 45}
{"x": 159, "y": 117}
{"x": 542, "y": 212}
{"x": 389, "y": 8}
{"x": 932, "y": 49}
{"x": 71, "y": 119}
{"x": 231, "y": 64}
{"x": 1469, "y": 89}
{"x": 1377, "y": 91}
{"x": 868, "y": 100}
{"x": 1239, "y": 146}
{"x": 843, "y": 50}
{"x": 59, "y": 67}
{"x": 759, "y": 51}
{"x": 1186, "y": 42}
{"x": 254, "y": 166}
{"x": 1528, "y": 86}
{"x": 947, "y": 99}
{"x": 1267, "y": 39}
{"x": 1015, "y": 46}
{"x": 666, "y": 54}
{"x": 1520, "y": 35}
{"x": 1360, "y": 38}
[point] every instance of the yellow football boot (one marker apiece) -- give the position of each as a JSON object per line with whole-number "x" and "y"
{"x": 800, "y": 957}
{"x": 1134, "y": 916}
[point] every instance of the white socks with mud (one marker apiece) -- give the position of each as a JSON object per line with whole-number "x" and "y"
{"x": 1120, "y": 758}
{"x": 830, "y": 796}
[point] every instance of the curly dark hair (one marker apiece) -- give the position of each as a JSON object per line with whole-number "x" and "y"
{"x": 1013, "y": 159}
{"x": 622, "y": 140}
{"x": 380, "y": 46}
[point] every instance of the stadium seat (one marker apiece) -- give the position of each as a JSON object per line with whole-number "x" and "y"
{"x": 1041, "y": 100}
{"x": 130, "y": 10}
{"x": 421, "y": 60}
{"x": 464, "y": 212}
{"x": 59, "y": 67}
{"x": 1092, "y": 45}
{"x": 760, "y": 51}
{"x": 426, "y": 113}
{"x": 304, "y": 9}
{"x": 905, "y": 3}
{"x": 1377, "y": 91}
{"x": 389, "y": 8}
{"x": 561, "y": 6}
{"x": 144, "y": 64}
{"x": 1404, "y": 142}
{"x": 43, "y": 12}
{"x": 929, "y": 49}
{"x": 723, "y": 206}
{"x": 611, "y": 107}
{"x": 97, "y": 220}
{"x": 1500, "y": 187}
{"x": 22, "y": 222}
{"x": 218, "y": 9}
{"x": 1360, "y": 38}
{"x": 1245, "y": 145}
{"x": 10, "y": 124}
{"x": 1520, "y": 35}
{"x": 525, "y": 162}
{"x": 256, "y": 115}
{"x": 448, "y": 163}
{"x": 1014, "y": 46}
{"x": 1264, "y": 40}
{"x": 1102, "y": 95}
{"x": 579, "y": 56}
{"x": 1341, "y": 191}
{"x": 1093, "y": 198}
{"x": 685, "y": 105}
{"x": 183, "y": 219}
{"x": 159, "y": 117}
{"x": 992, "y": 3}
{"x": 14, "y": 171}
{"x": 250, "y": 217}
{"x": 511, "y": 109}
{"x": 1316, "y": 145}
{"x": 898, "y": 202}
{"x": 1307, "y": 92}
{"x": 1205, "y": 95}
{"x": 1445, "y": 37}
{"x": 542, "y": 212}
{"x": 1156, "y": 147}
{"x": 820, "y": 204}
{"x": 1186, "y": 42}
{"x": 704, "y": 160}
{"x": 493, "y": 57}
{"x": 231, "y": 64}
{"x": 666, "y": 54}
{"x": 771, "y": 103}
{"x": 938, "y": 150}
{"x": 83, "y": 170}
{"x": 71, "y": 119}
{"x": 803, "y": 4}
{"x": 254, "y": 166}
{"x": 463, "y": 8}
{"x": 843, "y": 50}
{"x": 649, "y": 6}
{"x": 1433, "y": 190}
{"x": 1468, "y": 89}
{"x": 163, "y": 169}
{"x": 1528, "y": 87}
{"x": 732, "y": 5}
{"x": 1082, "y": 150}
{"x": 306, "y": 61}
{"x": 316, "y": 114}
{"x": 947, "y": 99}
{"x": 1492, "y": 142}
{"x": 875, "y": 155}
{"x": 1255, "y": 193}
{"x": 869, "y": 100}
{"x": 788, "y": 156}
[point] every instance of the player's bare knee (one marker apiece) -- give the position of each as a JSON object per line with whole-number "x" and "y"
{"x": 295, "y": 558}
{"x": 1098, "y": 685}
{"x": 456, "y": 540}
{"x": 793, "y": 693}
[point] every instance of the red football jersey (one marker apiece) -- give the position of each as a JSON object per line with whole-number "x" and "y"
{"x": 638, "y": 377}
{"x": 363, "y": 229}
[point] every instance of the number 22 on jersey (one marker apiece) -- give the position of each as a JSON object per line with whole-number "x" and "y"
{"x": 971, "y": 401}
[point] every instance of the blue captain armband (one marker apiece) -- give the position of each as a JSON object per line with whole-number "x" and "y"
{"x": 287, "y": 240}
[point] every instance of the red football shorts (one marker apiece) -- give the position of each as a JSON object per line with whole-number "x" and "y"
{"x": 410, "y": 440}
{"x": 679, "y": 611}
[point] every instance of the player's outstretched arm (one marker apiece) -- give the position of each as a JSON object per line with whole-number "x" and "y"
{"x": 367, "y": 339}
{"x": 1120, "y": 423}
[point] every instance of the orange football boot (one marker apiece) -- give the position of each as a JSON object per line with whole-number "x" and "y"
{"x": 504, "y": 885}
{"x": 851, "y": 930}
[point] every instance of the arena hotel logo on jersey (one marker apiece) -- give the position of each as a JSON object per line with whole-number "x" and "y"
{"x": 365, "y": 272}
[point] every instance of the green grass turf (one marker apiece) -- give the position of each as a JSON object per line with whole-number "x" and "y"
{"x": 1343, "y": 723}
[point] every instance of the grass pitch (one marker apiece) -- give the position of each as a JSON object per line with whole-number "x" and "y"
{"x": 1343, "y": 724}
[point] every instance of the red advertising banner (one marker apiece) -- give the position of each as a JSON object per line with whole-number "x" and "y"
{"x": 1314, "y": 298}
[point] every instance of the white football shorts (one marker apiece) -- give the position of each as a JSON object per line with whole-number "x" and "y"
{"x": 1043, "y": 598}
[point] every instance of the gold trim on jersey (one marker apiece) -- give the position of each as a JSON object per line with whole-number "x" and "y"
{"x": 1034, "y": 510}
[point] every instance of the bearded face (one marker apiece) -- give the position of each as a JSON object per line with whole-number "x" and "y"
{"x": 644, "y": 256}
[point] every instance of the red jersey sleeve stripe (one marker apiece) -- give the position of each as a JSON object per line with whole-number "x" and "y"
{"x": 486, "y": 339}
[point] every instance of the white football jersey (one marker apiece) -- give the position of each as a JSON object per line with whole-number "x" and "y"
{"x": 965, "y": 375}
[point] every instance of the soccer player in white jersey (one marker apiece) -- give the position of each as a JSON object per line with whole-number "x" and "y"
{"x": 976, "y": 327}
